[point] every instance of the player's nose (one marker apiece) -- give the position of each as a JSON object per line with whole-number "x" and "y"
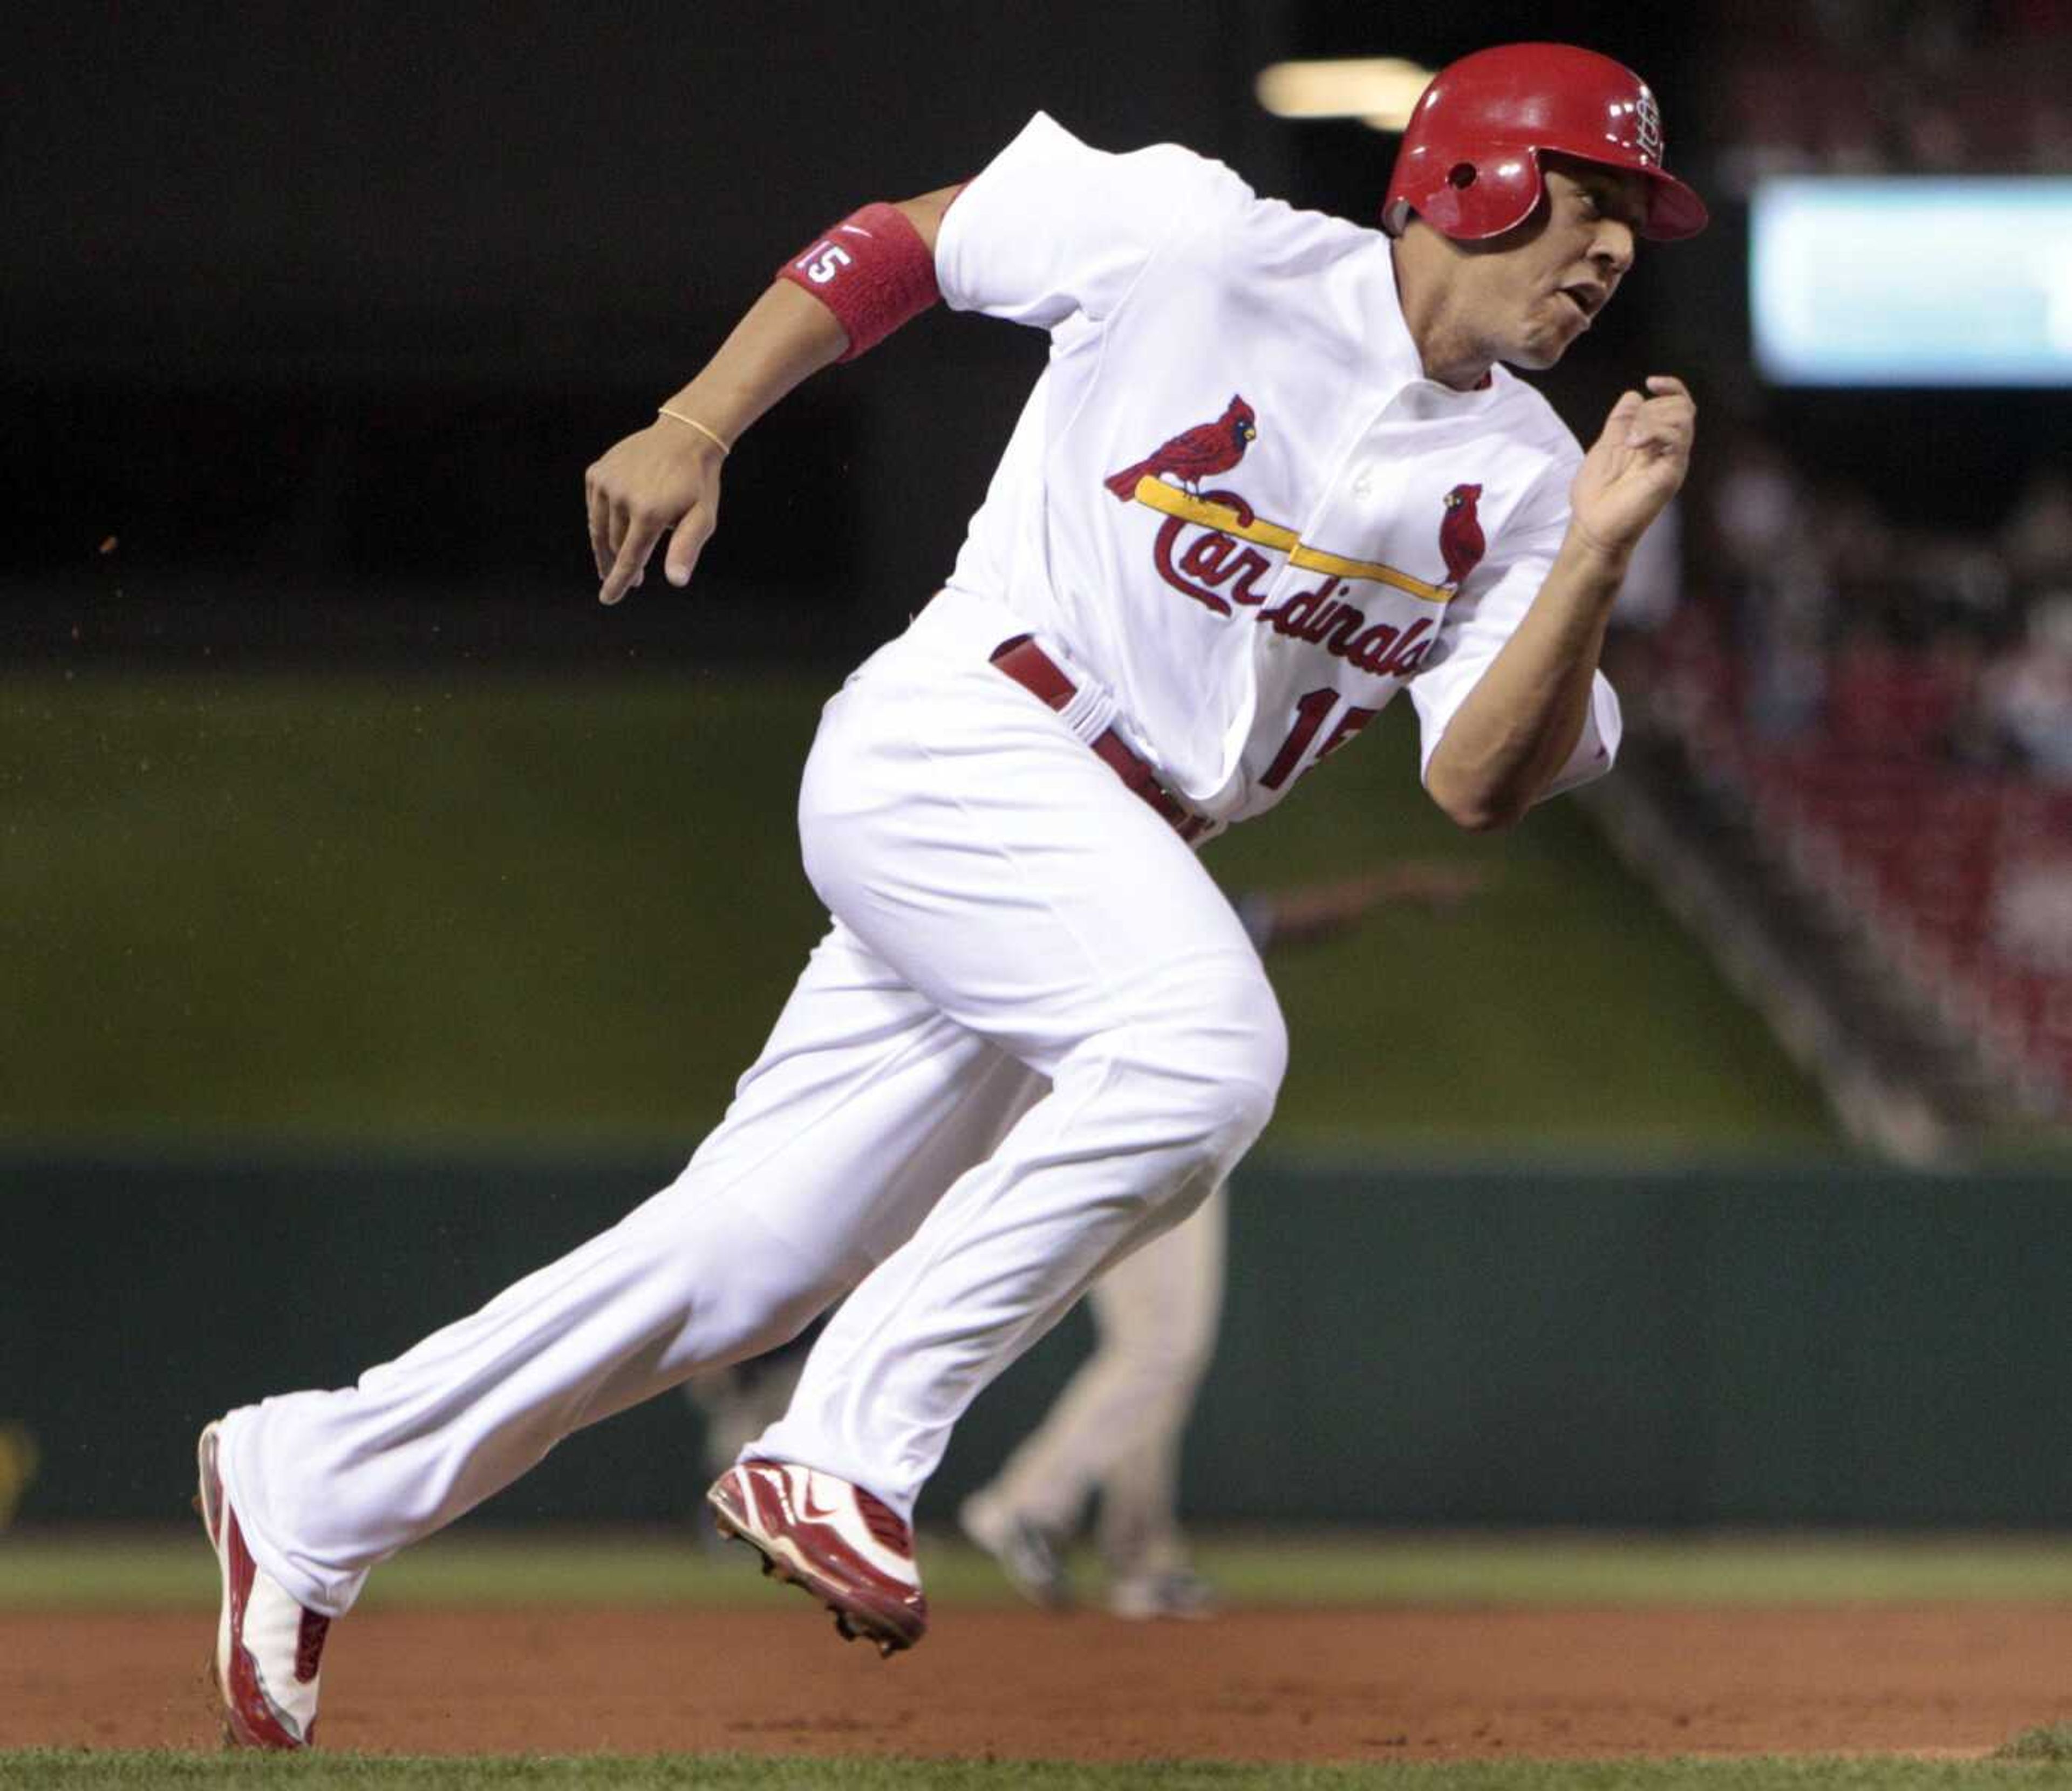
{"x": 1611, "y": 251}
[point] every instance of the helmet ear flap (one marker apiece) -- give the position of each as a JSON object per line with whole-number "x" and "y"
{"x": 1470, "y": 198}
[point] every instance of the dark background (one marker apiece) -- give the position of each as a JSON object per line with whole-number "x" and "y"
{"x": 324, "y": 308}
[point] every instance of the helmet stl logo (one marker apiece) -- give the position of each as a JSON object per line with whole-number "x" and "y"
{"x": 1647, "y": 122}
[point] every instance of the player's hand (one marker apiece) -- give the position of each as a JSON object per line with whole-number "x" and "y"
{"x": 1634, "y": 467}
{"x": 664, "y": 479}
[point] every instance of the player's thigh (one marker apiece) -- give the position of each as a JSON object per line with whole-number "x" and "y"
{"x": 1008, "y": 877}
{"x": 865, "y": 1104}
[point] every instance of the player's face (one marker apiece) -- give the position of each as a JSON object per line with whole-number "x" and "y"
{"x": 1536, "y": 289}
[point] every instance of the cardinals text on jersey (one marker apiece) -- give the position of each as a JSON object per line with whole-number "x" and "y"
{"x": 1234, "y": 500}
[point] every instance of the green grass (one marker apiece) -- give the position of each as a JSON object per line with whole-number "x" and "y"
{"x": 2052, "y": 1742}
{"x": 125, "y": 1570}
{"x": 76, "y": 1771}
{"x": 460, "y": 909}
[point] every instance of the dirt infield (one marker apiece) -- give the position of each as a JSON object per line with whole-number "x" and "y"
{"x": 1249, "y": 1686}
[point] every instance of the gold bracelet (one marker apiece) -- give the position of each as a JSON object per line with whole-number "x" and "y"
{"x": 713, "y": 436}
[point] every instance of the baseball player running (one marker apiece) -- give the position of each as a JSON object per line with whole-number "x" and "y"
{"x": 1277, "y": 468}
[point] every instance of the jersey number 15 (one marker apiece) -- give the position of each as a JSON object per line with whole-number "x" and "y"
{"x": 1310, "y": 716}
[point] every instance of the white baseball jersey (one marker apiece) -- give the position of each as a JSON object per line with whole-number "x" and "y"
{"x": 1234, "y": 500}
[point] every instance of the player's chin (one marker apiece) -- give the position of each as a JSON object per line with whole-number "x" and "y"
{"x": 1545, "y": 338}
{"x": 1538, "y": 354}
{"x": 1546, "y": 346}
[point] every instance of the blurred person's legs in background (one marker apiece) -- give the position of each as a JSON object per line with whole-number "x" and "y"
{"x": 1115, "y": 1434}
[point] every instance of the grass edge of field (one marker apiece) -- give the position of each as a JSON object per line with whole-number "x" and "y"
{"x": 2042, "y": 1756}
{"x": 489, "y": 1568}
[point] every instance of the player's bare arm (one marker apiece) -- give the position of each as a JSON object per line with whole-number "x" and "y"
{"x": 665, "y": 478}
{"x": 1519, "y": 725}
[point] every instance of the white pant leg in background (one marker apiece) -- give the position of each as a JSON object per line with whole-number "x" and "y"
{"x": 1164, "y": 1324}
{"x": 1116, "y": 1427}
{"x": 1007, "y": 917}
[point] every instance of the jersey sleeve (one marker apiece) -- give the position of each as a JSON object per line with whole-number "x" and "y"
{"x": 1496, "y": 599}
{"x": 1051, "y": 227}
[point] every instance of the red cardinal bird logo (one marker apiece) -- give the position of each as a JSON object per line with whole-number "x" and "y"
{"x": 1195, "y": 455}
{"x": 1460, "y": 534}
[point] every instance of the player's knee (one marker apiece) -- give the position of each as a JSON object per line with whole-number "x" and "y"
{"x": 728, "y": 1288}
{"x": 1222, "y": 1066}
{"x": 736, "y": 1317}
{"x": 1248, "y": 1054}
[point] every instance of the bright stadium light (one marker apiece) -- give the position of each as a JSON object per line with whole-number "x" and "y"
{"x": 1378, "y": 91}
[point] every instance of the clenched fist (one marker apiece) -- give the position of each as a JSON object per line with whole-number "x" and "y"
{"x": 1634, "y": 467}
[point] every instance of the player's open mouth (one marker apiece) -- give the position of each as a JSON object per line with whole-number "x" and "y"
{"x": 1586, "y": 299}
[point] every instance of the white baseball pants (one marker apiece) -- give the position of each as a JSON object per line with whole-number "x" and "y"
{"x": 1035, "y": 1036}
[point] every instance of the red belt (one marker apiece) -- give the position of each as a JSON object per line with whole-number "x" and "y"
{"x": 1038, "y": 674}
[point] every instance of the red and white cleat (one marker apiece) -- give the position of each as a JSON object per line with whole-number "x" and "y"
{"x": 844, "y": 1545}
{"x": 268, "y": 1648}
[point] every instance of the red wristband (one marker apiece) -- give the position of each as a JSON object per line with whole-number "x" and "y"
{"x": 872, "y": 270}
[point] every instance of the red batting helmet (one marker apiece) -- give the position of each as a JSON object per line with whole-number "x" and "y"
{"x": 1470, "y": 164}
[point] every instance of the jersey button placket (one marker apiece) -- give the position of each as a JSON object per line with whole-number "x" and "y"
{"x": 1348, "y": 482}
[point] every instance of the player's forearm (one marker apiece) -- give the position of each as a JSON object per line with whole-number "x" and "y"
{"x": 786, "y": 337}
{"x": 849, "y": 289}
{"x": 1522, "y": 721}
